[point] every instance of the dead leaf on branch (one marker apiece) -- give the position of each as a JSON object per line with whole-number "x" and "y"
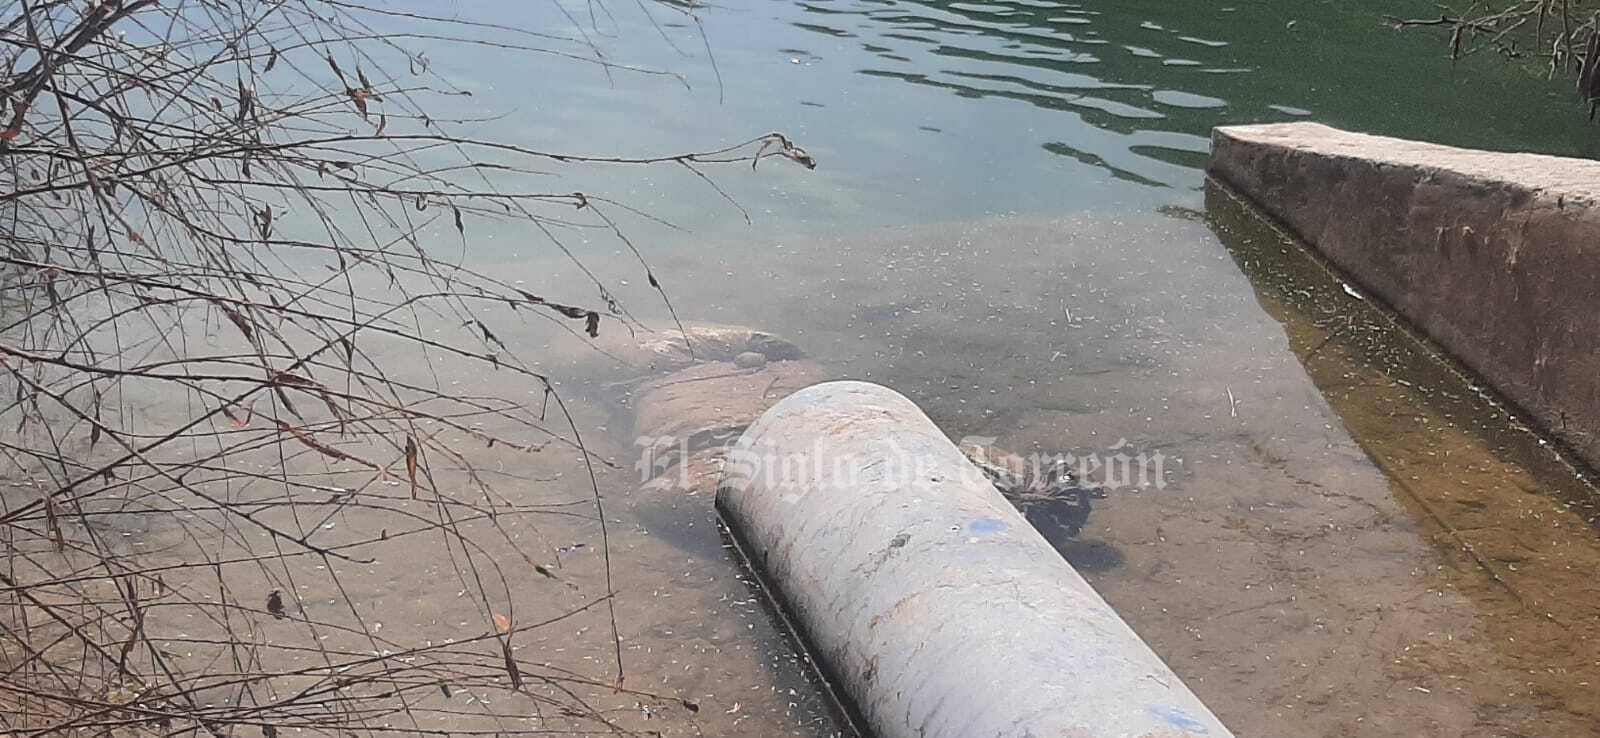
{"x": 52, "y": 522}
{"x": 511, "y": 666}
{"x": 590, "y": 318}
{"x": 411, "y": 464}
{"x": 235, "y": 420}
{"x": 786, "y": 149}
{"x": 13, "y": 130}
{"x": 275, "y": 605}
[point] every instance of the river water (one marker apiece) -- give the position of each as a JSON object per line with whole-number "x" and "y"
{"x": 1009, "y": 223}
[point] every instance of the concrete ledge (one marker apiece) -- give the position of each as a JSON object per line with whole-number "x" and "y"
{"x": 1494, "y": 256}
{"x": 934, "y": 607}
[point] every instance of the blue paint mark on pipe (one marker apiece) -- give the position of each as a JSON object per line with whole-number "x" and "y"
{"x": 1179, "y": 718}
{"x": 986, "y": 525}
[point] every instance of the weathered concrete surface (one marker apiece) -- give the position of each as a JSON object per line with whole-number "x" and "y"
{"x": 937, "y": 609}
{"x": 1495, "y": 256}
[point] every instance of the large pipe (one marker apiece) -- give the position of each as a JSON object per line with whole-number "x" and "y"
{"x": 932, "y": 605}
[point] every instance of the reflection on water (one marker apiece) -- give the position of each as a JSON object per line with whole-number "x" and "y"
{"x": 948, "y": 110}
{"x": 1343, "y": 341}
{"x": 1144, "y": 82}
{"x": 1513, "y": 523}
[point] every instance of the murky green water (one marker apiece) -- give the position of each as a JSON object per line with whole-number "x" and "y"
{"x": 947, "y": 110}
{"x": 1009, "y": 224}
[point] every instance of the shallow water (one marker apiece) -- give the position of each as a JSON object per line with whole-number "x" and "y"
{"x": 1348, "y": 538}
{"x": 1010, "y": 225}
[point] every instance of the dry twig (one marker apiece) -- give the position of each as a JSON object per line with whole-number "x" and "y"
{"x": 216, "y": 240}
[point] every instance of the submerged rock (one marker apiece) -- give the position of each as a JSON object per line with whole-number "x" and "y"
{"x": 750, "y": 360}
{"x": 684, "y": 421}
{"x": 696, "y": 343}
{"x": 715, "y": 399}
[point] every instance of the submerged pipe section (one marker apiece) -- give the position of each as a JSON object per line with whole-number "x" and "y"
{"x": 936, "y": 609}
